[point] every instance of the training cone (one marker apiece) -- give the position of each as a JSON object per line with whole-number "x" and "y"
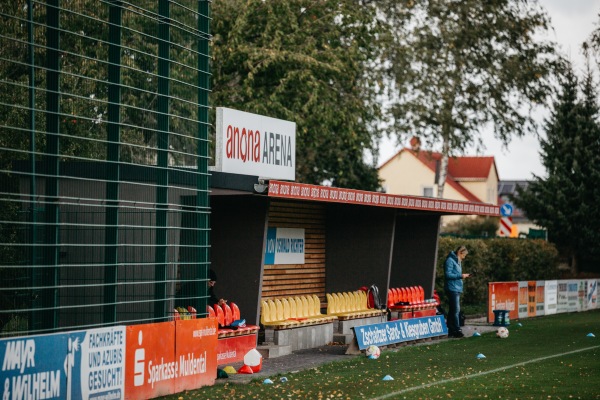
{"x": 283, "y": 379}
{"x": 590, "y": 335}
{"x": 268, "y": 382}
{"x": 387, "y": 378}
{"x": 480, "y": 356}
{"x": 245, "y": 369}
{"x": 476, "y": 334}
{"x": 519, "y": 324}
{"x": 230, "y": 370}
{"x": 253, "y": 359}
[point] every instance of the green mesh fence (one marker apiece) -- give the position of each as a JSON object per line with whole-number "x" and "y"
{"x": 104, "y": 213}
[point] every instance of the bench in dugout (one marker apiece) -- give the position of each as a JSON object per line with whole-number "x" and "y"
{"x": 411, "y": 300}
{"x": 230, "y": 322}
{"x": 292, "y": 312}
{"x": 350, "y": 305}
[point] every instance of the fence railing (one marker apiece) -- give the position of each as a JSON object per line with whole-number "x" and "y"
{"x": 103, "y": 162}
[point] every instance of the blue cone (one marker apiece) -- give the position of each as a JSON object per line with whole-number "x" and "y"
{"x": 476, "y": 334}
{"x": 387, "y": 378}
{"x": 267, "y": 381}
{"x": 519, "y": 324}
{"x": 283, "y": 379}
{"x": 480, "y": 356}
{"x": 590, "y": 335}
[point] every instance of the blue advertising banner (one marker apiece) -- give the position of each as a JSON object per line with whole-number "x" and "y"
{"x": 75, "y": 365}
{"x": 400, "y": 331}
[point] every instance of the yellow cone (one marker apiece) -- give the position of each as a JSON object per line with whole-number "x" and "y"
{"x": 230, "y": 370}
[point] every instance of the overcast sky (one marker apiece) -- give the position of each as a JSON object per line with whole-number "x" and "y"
{"x": 573, "y": 21}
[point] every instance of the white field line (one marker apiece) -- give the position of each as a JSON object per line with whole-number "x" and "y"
{"x": 427, "y": 385}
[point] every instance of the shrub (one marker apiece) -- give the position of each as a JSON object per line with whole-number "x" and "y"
{"x": 497, "y": 260}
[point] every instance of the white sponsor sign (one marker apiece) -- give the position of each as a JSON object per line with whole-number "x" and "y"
{"x": 284, "y": 246}
{"x": 252, "y": 144}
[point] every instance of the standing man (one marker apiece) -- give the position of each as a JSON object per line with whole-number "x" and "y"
{"x": 454, "y": 287}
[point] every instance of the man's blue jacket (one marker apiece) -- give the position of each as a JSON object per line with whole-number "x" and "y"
{"x": 453, "y": 274}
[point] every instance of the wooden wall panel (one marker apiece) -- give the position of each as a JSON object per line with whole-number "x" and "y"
{"x": 298, "y": 279}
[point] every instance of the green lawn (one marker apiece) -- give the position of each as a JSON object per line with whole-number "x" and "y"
{"x": 547, "y": 358}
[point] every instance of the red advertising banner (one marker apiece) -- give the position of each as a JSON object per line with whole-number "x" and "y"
{"x": 292, "y": 190}
{"x": 503, "y": 296}
{"x": 195, "y": 353}
{"x": 233, "y": 349}
{"x": 150, "y": 365}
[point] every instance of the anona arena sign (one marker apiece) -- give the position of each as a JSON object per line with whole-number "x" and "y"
{"x": 252, "y": 144}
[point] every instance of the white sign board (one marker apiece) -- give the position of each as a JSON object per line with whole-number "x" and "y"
{"x": 284, "y": 246}
{"x": 252, "y": 144}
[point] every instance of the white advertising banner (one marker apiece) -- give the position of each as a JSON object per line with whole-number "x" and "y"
{"x": 284, "y": 246}
{"x": 550, "y": 297}
{"x": 562, "y": 297}
{"x": 252, "y": 144}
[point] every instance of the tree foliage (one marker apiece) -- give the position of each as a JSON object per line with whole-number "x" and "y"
{"x": 460, "y": 65}
{"x": 473, "y": 227}
{"x": 310, "y": 62}
{"x": 566, "y": 202}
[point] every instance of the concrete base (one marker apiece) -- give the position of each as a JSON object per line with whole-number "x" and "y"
{"x": 303, "y": 337}
{"x": 343, "y": 338}
{"x": 345, "y": 327}
{"x": 273, "y": 351}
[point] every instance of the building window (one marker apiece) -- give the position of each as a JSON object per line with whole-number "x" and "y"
{"x": 428, "y": 191}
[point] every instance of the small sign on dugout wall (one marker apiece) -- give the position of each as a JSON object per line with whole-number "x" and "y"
{"x": 284, "y": 246}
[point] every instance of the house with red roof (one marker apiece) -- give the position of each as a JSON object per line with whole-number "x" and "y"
{"x": 415, "y": 172}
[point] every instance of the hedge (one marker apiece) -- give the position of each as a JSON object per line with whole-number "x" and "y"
{"x": 497, "y": 260}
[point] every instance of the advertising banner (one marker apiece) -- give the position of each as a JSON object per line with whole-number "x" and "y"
{"x": 539, "y": 298}
{"x": 592, "y": 294}
{"x": 523, "y": 299}
{"x": 75, "y": 365}
{"x": 34, "y": 367}
{"x": 252, "y": 144}
{"x": 233, "y": 349}
{"x": 550, "y": 297}
{"x": 582, "y": 289}
{"x": 151, "y": 367}
{"x": 562, "y": 304}
{"x": 304, "y": 191}
{"x": 503, "y": 296}
{"x": 399, "y": 331}
{"x": 573, "y": 296}
{"x": 195, "y": 353}
{"x": 531, "y": 298}
{"x": 284, "y": 246}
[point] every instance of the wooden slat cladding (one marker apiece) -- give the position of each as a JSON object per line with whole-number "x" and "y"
{"x": 298, "y": 279}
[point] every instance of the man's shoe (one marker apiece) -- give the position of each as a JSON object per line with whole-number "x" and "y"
{"x": 456, "y": 335}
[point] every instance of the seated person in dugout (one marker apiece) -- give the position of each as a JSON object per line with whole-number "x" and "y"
{"x": 212, "y": 281}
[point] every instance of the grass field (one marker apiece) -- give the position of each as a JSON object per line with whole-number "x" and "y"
{"x": 546, "y": 358}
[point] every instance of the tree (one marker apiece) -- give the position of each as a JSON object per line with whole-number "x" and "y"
{"x": 460, "y": 65}
{"x": 308, "y": 62}
{"x": 566, "y": 202}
